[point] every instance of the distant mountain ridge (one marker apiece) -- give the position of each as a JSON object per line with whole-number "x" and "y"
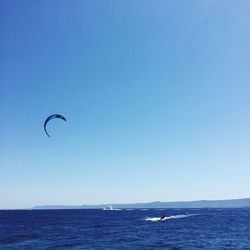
{"x": 233, "y": 203}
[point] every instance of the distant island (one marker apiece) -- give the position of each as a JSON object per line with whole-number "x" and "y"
{"x": 234, "y": 203}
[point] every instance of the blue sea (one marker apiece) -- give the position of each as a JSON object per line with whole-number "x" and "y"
{"x": 125, "y": 229}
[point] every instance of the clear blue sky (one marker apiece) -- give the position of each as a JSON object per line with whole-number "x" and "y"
{"x": 156, "y": 96}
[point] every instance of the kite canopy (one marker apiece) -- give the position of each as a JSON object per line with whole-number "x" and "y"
{"x": 50, "y": 118}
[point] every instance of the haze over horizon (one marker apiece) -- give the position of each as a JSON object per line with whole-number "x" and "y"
{"x": 156, "y": 97}
{"x": 107, "y": 203}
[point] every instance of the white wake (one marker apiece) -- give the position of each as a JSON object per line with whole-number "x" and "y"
{"x": 179, "y": 216}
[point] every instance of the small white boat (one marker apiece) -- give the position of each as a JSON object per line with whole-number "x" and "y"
{"x": 108, "y": 208}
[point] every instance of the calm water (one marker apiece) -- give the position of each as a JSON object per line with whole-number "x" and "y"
{"x": 125, "y": 229}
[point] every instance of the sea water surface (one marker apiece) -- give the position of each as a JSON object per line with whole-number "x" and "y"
{"x": 125, "y": 229}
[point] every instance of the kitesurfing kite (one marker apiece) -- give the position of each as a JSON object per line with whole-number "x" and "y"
{"x": 50, "y": 118}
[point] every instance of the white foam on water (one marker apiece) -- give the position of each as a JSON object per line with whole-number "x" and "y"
{"x": 179, "y": 216}
{"x": 155, "y": 219}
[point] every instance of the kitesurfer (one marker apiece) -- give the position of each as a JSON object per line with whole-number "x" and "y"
{"x": 162, "y": 217}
